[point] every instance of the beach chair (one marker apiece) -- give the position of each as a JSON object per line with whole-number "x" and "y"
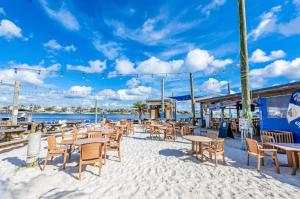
{"x": 253, "y": 149}
{"x": 90, "y": 154}
{"x": 114, "y": 145}
{"x": 215, "y": 148}
{"x": 55, "y": 149}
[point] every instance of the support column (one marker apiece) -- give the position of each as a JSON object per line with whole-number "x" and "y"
{"x": 244, "y": 62}
{"x": 15, "y": 107}
{"x": 162, "y": 115}
{"x": 201, "y": 115}
{"x": 192, "y": 98}
{"x": 96, "y": 111}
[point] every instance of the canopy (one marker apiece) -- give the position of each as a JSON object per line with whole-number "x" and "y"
{"x": 181, "y": 98}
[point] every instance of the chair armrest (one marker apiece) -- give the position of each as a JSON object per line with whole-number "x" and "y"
{"x": 269, "y": 150}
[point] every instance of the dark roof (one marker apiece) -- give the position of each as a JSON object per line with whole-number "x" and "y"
{"x": 283, "y": 89}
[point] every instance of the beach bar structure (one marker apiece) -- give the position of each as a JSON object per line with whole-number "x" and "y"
{"x": 154, "y": 109}
{"x": 272, "y": 104}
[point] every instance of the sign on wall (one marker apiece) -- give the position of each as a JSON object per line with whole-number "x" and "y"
{"x": 293, "y": 114}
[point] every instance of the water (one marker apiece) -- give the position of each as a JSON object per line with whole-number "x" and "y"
{"x": 48, "y": 117}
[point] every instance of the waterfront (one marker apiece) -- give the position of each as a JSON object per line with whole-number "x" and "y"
{"x": 49, "y": 117}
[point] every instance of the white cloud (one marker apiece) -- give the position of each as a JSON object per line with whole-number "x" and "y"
{"x": 153, "y": 31}
{"x": 110, "y": 49}
{"x": 279, "y": 68}
{"x": 24, "y": 74}
{"x": 212, "y": 6}
{"x": 130, "y": 94}
{"x": 62, "y": 15}
{"x": 95, "y": 66}
{"x": 259, "y": 56}
{"x": 154, "y": 65}
{"x": 2, "y": 12}
{"x": 201, "y": 60}
{"x": 213, "y": 86}
{"x": 133, "y": 82}
{"x": 9, "y": 30}
{"x": 124, "y": 66}
{"x": 79, "y": 91}
{"x": 269, "y": 23}
{"x": 55, "y": 46}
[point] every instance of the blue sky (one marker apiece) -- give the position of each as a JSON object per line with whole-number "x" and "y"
{"x": 78, "y": 48}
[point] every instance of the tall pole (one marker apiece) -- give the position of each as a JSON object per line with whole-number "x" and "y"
{"x": 96, "y": 111}
{"x": 192, "y": 98}
{"x": 228, "y": 92}
{"x": 244, "y": 62}
{"x": 162, "y": 116}
{"x": 15, "y": 103}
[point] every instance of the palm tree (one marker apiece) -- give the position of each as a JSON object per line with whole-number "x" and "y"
{"x": 140, "y": 108}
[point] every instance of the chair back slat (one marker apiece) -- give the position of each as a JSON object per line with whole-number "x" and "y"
{"x": 51, "y": 142}
{"x": 252, "y": 146}
{"x": 90, "y": 151}
{"x": 212, "y": 134}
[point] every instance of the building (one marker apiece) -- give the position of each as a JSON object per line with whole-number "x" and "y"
{"x": 154, "y": 109}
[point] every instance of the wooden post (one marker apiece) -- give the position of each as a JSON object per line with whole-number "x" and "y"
{"x": 244, "y": 62}
{"x": 192, "y": 98}
{"x": 162, "y": 116}
{"x": 15, "y": 103}
{"x": 201, "y": 115}
{"x": 96, "y": 111}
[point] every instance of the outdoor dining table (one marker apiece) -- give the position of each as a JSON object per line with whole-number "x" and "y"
{"x": 292, "y": 149}
{"x": 9, "y": 132}
{"x": 197, "y": 139}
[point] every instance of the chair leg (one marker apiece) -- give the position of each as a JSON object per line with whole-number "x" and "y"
{"x": 224, "y": 159}
{"x": 79, "y": 170}
{"x": 258, "y": 163}
{"x": 45, "y": 161}
{"x": 105, "y": 150}
{"x": 65, "y": 159}
{"x": 216, "y": 162}
{"x": 277, "y": 164}
{"x": 100, "y": 166}
{"x": 248, "y": 159}
{"x": 119, "y": 154}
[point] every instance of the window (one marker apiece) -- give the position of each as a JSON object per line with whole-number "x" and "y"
{"x": 277, "y": 106}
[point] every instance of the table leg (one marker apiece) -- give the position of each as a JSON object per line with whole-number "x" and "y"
{"x": 201, "y": 150}
{"x": 193, "y": 149}
{"x": 289, "y": 155}
{"x": 294, "y": 163}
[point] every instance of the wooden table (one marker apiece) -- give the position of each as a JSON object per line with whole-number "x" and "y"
{"x": 9, "y": 132}
{"x": 292, "y": 150}
{"x": 91, "y": 140}
{"x": 195, "y": 139}
{"x": 72, "y": 124}
{"x": 52, "y": 127}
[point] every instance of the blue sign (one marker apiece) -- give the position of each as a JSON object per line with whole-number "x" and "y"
{"x": 293, "y": 114}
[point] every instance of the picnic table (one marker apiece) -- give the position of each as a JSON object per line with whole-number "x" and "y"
{"x": 9, "y": 132}
{"x": 52, "y": 127}
{"x": 9, "y": 126}
{"x": 197, "y": 139}
{"x": 73, "y": 123}
{"x": 292, "y": 150}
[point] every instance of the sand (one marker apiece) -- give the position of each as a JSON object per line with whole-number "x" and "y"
{"x": 149, "y": 169}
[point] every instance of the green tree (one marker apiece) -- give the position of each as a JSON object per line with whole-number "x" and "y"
{"x": 140, "y": 108}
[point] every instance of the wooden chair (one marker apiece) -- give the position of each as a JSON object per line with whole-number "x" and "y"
{"x": 55, "y": 150}
{"x": 155, "y": 132}
{"x": 253, "y": 149}
{"x": 185, "y": 130}
{"x": 212, "y": 134}
{"x": 64, "y": 136}
{"x": 94, "y": 134}
{"x": 90, "y": 154}
{"x": 266, "y": 140}
{"x": 216, "y": 148}
{"x": 115, "y": 145}
{"x": 234, "y": 127}
{"x": 170, "y": 133}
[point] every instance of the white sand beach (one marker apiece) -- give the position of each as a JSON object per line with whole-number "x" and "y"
{"x": 149, "y": 169}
